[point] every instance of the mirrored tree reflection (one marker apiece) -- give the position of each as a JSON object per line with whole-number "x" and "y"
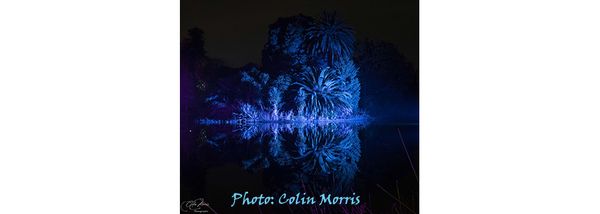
{"x": 297, "y": 156}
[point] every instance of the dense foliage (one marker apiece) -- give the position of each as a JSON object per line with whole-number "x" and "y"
{"x": 308, "y": 73}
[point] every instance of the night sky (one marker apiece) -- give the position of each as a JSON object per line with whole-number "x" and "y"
{"x": 235, "y": 31}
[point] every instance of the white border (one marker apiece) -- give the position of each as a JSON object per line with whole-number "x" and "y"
{"x": 89, "y": 106}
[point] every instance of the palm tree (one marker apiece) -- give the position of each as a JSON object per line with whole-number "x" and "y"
{"x": 324, "y": 93}
{"x": 331, "y": 38}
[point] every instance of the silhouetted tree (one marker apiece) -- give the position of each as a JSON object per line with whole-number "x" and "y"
{"x": 385, "y": 72}
{"x": 195, "y": 46}
{"x": 192, "y": 58}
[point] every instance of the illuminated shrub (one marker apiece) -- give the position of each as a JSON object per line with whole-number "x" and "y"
{"x": 247, "y": 113}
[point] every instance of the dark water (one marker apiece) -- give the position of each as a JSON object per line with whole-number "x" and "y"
{"x": 370, "y": 161}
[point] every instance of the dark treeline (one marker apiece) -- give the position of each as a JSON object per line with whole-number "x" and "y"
{"x": 311, "y": 69}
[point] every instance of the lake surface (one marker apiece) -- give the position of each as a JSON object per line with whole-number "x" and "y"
{"x": 376, "y": 161}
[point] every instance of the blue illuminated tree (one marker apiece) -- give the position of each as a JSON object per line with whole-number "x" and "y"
{"x": 330, "y": 38}
{"x": 347, "y": 72}
{"x": 276, "y": 93}
{"x": 329, "y": 92}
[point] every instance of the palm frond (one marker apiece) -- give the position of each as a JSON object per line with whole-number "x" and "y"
{"x": 331, "y": 38}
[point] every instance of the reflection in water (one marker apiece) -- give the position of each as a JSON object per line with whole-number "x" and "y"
{"x": 296, "y": 157}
